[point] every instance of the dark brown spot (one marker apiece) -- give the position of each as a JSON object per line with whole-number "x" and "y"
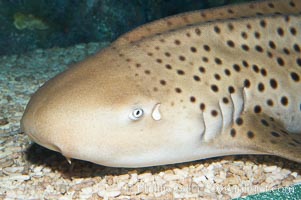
{"x": 263, "y": 23}
{"x": 244, "y": 35}
{"x": 270, "y": 102}
{"x": 269, "y": 54}
{"x": 257, "y": 109}
{"x": 162, "y": 82}
{"x": 193, "y": 49}
{"x": 245, "y": 63}
{"x": 227, "y": 72}
{"x": 217, "y": 29}
{"x": 202, "y": 106}
{"x": 298, "y": 61}
{"x": 205, "y": 59}
{"x": 214, "y": 88}
{"x": 225, "y": 100}
{"x": 272, "y": 45}
{"x": 159, "y": 61}
{"x": 273, "y": 83}
{"x": 218, "y": 61}
{"x": 257, "y": 35}
{"x": 217, "y": 77}
{"x": 230, "y": 43}
{"x": 168, "y": 66}
{"x": 260, "y": 87}
{"x": 250, "y": 134}
{"x": 231, "y": 27}
{"x": 231, "y": 89}
{"x": 177, "y": 42}
{"x": 182, "y": 58}
{"x": 202, "y": 69}
{"x": 280, "y": 61}
{"x": 206, "y": 47}
{"x": 255, "y": 68}
{"x": 280, "y": 31}
{"x": 295, "y": 77}
{"x": 247, "y": 83}
{"x": 178, "y": 90}
{"x": 297, "y": 48}
{"x": 196, "y": 78}
{"x": 275, "y": 134}
{"x": 292, "y": 4}
{"x": 284, "y": 101}
{"x": 239, "y": 121}
{"x": 286, "y": 51}
{"x": 192, "y": 99}
{"x": 147, "y": 72}
{"x": 167, "y": 54}
{"x": 233, "y": 132}
{"x": 258, "y": 48}
{"x": 230, "y": 11}
{"x": 214, "y": 113}
{"x": 263, "y": 72}
{"x": 271, "y": 5}
{"x": 197, "y": 31}
{"x": 245, "y": 47}
{"x": 236, "y": 67}
{"x": 264, "y": 122}
{"x": 180, "y": 72}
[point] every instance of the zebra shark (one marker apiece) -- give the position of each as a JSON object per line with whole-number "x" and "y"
{"x": 201, "y": 84}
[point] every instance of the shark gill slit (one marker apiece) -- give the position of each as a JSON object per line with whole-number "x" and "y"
{"x": 222, "y": 116}
{"x": 204, "y": 125}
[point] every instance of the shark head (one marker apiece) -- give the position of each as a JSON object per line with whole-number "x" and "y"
{"x": 99, "y": 112}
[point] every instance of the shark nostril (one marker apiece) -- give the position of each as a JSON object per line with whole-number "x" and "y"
{"x": 156, "y": 115}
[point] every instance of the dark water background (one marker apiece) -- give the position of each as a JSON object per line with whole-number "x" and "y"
{"x": 26, "y": 25}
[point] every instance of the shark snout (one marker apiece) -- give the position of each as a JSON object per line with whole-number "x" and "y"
{"x": 35, "y": 124}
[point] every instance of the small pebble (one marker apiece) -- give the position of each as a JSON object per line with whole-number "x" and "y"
{"x": 269, "y": 169}
{"x": 3, "y": 122}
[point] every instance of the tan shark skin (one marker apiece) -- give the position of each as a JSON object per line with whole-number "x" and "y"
{"x": 209, "y": 83}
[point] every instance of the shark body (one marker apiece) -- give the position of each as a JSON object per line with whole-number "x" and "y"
{"x": 202, "y": 84}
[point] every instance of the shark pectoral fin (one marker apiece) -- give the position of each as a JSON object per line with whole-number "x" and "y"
{"x": 261, "y": 133}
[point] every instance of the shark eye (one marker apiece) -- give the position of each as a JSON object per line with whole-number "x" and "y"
{"x": 136, "y": 114}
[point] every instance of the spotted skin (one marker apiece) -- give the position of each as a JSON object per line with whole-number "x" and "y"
{"x": 213, "y": 14}
{"x": 227, "y": 81}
